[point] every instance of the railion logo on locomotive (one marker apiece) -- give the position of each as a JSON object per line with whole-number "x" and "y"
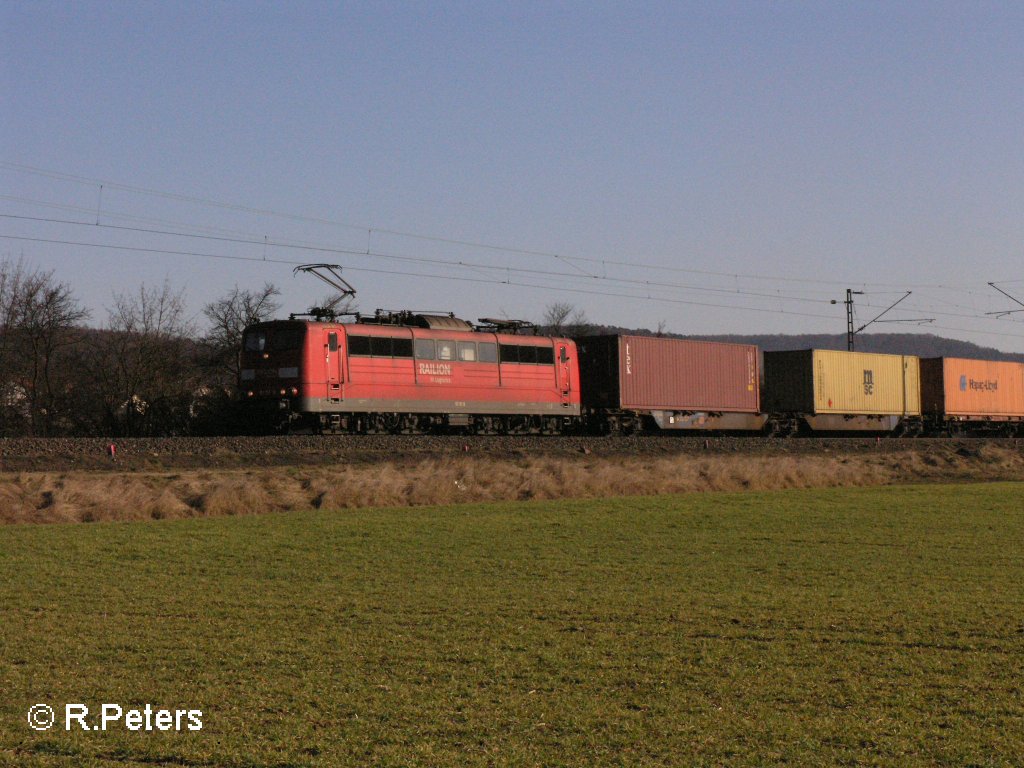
{"x": 869, "y": 382}
{"x": 988, "y": 385}
{"x": 434, "y": 369}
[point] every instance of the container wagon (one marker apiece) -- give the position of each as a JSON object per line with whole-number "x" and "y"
{"x": 638, "y": 382}
{"x": 961, "y": 396}
{"x": 831, "y": 391}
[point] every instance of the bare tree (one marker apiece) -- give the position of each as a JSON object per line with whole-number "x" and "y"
{"x": 39, "y": 321}
{"x": 229, "y": 316}
{"x": 144, "y": 364}
{"x": 556, "y": 316}
{"x": 564, "y": 319}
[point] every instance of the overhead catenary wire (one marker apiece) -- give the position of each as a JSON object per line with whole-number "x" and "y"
{"x": 415, "y": 259}
{"x": 264, "y": 242}
{"x": 552, "y": 278}
{"x": 508, "y": 281}
{"x": 459, "y": 278}
{"x": 236, "y": 207}
{"x": 249, "y": 238}
{"x": 569, "y": 261}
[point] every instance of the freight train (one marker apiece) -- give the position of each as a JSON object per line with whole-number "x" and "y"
{"x": 405, "y": 372}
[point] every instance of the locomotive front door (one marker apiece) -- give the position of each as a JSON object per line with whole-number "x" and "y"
{"x": 333, "y": 360}
{"x": 562, "y": 364}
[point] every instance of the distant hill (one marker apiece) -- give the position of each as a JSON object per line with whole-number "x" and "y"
{"x": 920, "y": 344}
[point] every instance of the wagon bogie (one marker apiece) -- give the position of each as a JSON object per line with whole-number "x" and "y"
{"x": 844, "y": 392}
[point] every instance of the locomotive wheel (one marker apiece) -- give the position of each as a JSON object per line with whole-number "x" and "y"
{"x": 485, "y": 425}
{"x": 390, "y": 423}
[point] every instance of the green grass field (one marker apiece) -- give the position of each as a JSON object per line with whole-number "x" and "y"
{"x": 870, "y": 626}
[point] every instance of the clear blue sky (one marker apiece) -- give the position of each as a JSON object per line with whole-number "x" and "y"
{"x": 847, "y": 143}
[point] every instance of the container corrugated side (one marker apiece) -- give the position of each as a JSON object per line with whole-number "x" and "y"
{"x": 824, "y": 381}
{"x": 684, "y": 375}
{"x": 972, "y": 389}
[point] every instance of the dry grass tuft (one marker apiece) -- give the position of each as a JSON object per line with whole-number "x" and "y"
{"x": 84, "y": 496}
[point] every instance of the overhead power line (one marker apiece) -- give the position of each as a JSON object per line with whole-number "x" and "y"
{"x": 417, "y": 259}
{"x": 458, "y": 278}
{"x": 487, "y": 272}
{"x": 570, "y": 260}
{"x": 461, "y": 264}
{"x": 478, "y": 280}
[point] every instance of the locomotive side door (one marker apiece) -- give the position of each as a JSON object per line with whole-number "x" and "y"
{"x": 332, "y": 353}
{"x": 562, "y": 367}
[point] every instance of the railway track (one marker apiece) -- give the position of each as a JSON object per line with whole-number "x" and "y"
{"x": 64, "y": 454}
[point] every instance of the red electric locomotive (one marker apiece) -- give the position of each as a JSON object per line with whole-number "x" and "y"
{"x": 407, "y": 372}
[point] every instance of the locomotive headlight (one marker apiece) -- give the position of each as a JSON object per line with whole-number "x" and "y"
{"x": 283, "y": 391}
{"x": 250, "y": 393}
{"x": 294, "y": 391}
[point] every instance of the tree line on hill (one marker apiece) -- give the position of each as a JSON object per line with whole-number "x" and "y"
{"x": 148, "y": 370}
{"x": 565, "y": 319}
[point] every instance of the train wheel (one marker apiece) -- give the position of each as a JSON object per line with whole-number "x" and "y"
{"x": 486, "y": 425}
{"x": 390, "y": 423}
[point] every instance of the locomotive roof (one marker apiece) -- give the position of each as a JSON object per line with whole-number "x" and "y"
{"x": 441, "y": 322}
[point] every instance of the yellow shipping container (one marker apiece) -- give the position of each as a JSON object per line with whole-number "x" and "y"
{"x": 824, "y": 381}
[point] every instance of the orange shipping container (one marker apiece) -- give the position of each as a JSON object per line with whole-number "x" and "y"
{"x": 972, "y": 389}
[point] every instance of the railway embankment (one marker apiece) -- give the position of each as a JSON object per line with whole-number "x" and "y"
{"x": 49, "y": 481}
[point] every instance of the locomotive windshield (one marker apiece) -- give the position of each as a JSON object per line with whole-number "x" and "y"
{"x": 255, "y": 341}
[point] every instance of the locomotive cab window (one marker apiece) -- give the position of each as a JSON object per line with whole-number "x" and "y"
{"x": 563, "y": 355}
{"x": 545, "y": 355}
{"x": 445, "y": 350}
{"x": 467, "y": 351}
{"x": 332, "y": 342}
{"x": 425, "y": 349}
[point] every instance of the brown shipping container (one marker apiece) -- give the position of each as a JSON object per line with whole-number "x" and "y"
{"x": 645, "y": 373}
{"x": 972, "y": 389}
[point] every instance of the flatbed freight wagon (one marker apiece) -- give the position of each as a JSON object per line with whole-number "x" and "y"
{"x": 672, "y": 384}
{"x": 827, "y": 390}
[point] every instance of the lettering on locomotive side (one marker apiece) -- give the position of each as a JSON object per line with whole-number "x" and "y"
{"x": 434, "y": 369}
